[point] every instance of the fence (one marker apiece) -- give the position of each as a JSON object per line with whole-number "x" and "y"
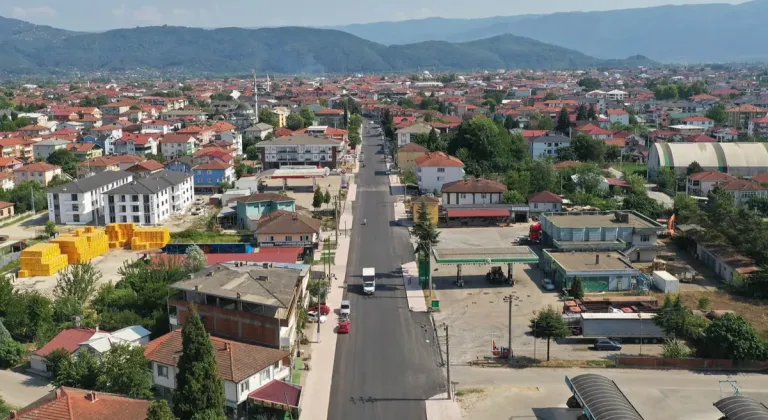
{"x": 687, "y": 363}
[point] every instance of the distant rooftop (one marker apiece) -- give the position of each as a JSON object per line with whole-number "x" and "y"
{"x": 602, "y": 219}
{"x": 592, "y": 261}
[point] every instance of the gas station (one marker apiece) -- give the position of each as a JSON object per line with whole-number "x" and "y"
{"x": 478, "y": 256}
{"x": 298, "y": 172}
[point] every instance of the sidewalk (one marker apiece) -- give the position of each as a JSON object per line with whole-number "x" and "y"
{"x": 413, "y": 291}
{"x": 440, "y": 407}
{"x": 317, "y": 388}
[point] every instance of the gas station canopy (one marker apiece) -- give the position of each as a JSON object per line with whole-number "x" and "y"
{"x": 511, "y": 254}
{"x": 288, "y": 172}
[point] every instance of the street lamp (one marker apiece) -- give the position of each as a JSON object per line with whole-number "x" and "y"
{"x": 508, "y": 298}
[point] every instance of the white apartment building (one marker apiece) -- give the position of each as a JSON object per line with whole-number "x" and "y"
{"x": 150, "y": 200}
{"x": 81, "y": 202}
{"x": 175, "y": 145}
{"x": 435, "y": 169}
{"x": 616, "y": 95}
{"x": 233, "y": 137}
{"x": 546, "y": 146}
{"x": 301, "y": 149}
{"x": 405, "y": 135}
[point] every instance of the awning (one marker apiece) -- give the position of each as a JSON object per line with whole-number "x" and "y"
{"x": 601, "y": 399}
{"x": 278, "y": 394}
{"x": 742, "y": 408}
{"x": 478, "y": 213}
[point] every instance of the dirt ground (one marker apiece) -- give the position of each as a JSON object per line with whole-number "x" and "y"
{"x": 108, "y": 264}
{"x": 478, "y": 315}
{"x": 754, "y": 310}
{"x": 301, "y": 189}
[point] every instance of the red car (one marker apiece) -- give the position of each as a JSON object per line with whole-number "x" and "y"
{"x": 343, "y": 327}
{"x": 324, "y": 309}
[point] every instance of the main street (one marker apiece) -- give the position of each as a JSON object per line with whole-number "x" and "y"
{"x": 388, "y": 365}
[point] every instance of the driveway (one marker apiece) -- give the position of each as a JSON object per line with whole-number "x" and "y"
{"x": 21, "y": 389}
{"x": 663, "y": 199}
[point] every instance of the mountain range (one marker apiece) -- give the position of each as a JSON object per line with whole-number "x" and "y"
{"x": 672, "y": 34}
{"x": 31, "y": 49}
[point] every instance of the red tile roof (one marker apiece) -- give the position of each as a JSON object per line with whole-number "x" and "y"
{"x": 278, "y": 392}
{"x": 439, "y": 159}
{"x": 5, "y": 204}
{"x": 213, "y": 164}
{"x": 236, "y": 361}
{"x": 74, "y": 404}
{"x": 701, "y": 138}
{"x": 99, "y": 162}
{"x": 711, "y": 176}
{"x": 68, "y": 340}
{"x": 566, "y": 164}
{"x": 545, "y": 197}
{"x": 147, "y": 165}
{"x": 741, "y": 185}
{"x": 413, "y": 147}
{"x": 762, "y": 178}
{"x": 37, "y": 167}
{"x": 474, "y": 185}
{"x": 176, "y": 138}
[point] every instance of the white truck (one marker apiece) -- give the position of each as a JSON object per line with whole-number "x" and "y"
{"x": 369, "y": 280}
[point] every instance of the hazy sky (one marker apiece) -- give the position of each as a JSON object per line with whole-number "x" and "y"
{"x": 95, "y": 15}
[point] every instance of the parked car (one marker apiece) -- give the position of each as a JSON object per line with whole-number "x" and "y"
{"x": 345, "y": 308}
{"x": 315, "y": 317}
{"x": 607, "y": 344}
{"x": 548, "y": 284}
{"x": 324, "y": 309}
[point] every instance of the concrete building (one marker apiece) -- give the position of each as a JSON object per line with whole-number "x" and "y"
{"x": 627, "y": 231}
{"x": 45, "y": 148}
{"x": 288, "y": 229}
{"x": 150, "y": 200}
{"x": 252, "y": 208}
{"x": 618, "y": 116}
{"x": 737, "y": 159}
{"x": 545, "y": 202}
{"x": 175, "y": 145}
{"x": 701, "y": 183}
{"x": 301, "y": 149}
{"x": 435, "y": 169}
{"x": 407, "y": 155}
{"x": 81, "y": 202}
{"x": 600, "y": 271}
{"x": 405, "y": 135}
{"x": 726, "y": 261}
{"x": 473, "y": 191}
{"x": 546, "y": 146}
{"x": 40, "y": 172}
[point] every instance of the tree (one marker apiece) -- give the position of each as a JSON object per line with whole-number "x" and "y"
{"x": 317, "y": 199}
{"x": 159, "y": 410}
{"x": 581, "y": 113}
{"x": 577, "y": 288}
{"x": 54, "y": 361}
{"x": 78, "y": 372}
{"x": 11, "y": 353}
{"x": 425, "y": 232}
{"x": 666, "y": 178}
{"x": 308, "y": 116}
{"x": 433, "y": 141}
{"x": 327, "y": 197}
{"x": 563, "y": 121}
{"x": 124, "y": 370}
{"x": 687, "y": 209}
{"x": 732, "y": 337}
{"x": 4, "y": 331}
{"x": 66, "y": 308}
{"x": 195, "y": 259}
{"x": 544, "y": 122}
{"x": 589, "y": 83}
{"x": 252, "y": 153}
{"x": 198, "y": 384}
{"x": 294, "y": 122}
{"x": 591, "y": 113}
{"x": 513, "y": 197}
{"x": 77, "y": 281}
{"x": 565, "y": 153}
{"x": 693, "y": 168}
{"x": 65, "y": 159}
{"x": 27, "y": 313}
{"x": 266, "y": 116}
{"x": 318, "y": 290}
{"x": 5, "y": 410}
{"x": 643, "y": 204}
{"x": 510, "y": 123}
{"x": 159, "y": 157}
{"x": 549, "y": 324}
{"x": 718, "y": 114}
{"x": 50, "y": 228}
{"x": 675, "y": 349}
{"x": 612, "y": 153}
{"x": 587, "y": 148}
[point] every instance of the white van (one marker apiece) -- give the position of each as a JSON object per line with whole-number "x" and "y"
{"x": 369, "y": 280}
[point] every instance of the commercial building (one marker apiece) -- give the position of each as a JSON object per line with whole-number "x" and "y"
{"x": 81, "y": 202}
{"x": 627, "y": 231}
{"x": 150, "y": 200}
{"x": 435, "y": 169}
{"x": 737, "y": 159}
{"x": 473, "y": 191}
{"x": 599, "y": 271}
{"x": 301, "y": 149}
{"x": 288, "y": 229}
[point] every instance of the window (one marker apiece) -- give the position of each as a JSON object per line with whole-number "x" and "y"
{"x": 146, "y": 219}
{"x": 136, "y": 219}
{"x": 122, "y": 209}
{"x": 76, "y": 218}
{"x": 162, "y": 371}
{"x": 645, "y": 238}
{"x": 482, "y": 196}
{"x": 441, "y": 170}
{"x": 245, "y": 386}
{"x": 265, "y": 375}
{"x": 75, "y": 207}
{"x": 135, "y": 198}
{"x": 289, "y": 238}
{"x": 440, "y": 178}
{"x": 122, "y": 199}
{"x": 463, "y": 196}
{"x": 74, "y": 197}
{"x": 535, "y": 205}
{"x": 304, "y": 238}
{"x": 135, "y": 209}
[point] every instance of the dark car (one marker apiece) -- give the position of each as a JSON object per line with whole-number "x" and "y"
{"x": 606, "y": 344}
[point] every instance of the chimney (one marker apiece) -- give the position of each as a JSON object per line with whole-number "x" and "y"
{"x": 92, "y": 396}
{"x": 597, "y": 259}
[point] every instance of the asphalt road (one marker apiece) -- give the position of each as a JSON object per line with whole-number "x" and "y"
{"x": 388, "y": 365}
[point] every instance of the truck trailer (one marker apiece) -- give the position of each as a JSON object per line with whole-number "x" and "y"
{"x": 626, "y": 327}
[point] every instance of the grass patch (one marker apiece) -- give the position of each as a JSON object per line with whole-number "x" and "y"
{"x": 753, "y": 310}
{"x": 202, "y": 237}
{"x": 298, "y": 367}
{"x": 13, "y": 265}
{"x": 632, "y": 168}
{"x": 468, "y": 391}
{"x": 18, "y": 220}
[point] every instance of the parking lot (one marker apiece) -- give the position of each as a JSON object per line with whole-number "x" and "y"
{"x": 301, "y": 189}
{"x": 477, "y": 313}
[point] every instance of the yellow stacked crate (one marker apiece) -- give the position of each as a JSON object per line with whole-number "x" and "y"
{"x": 119, "y": 234}
{"x": 83, "y": 245}
{"x": 150, "y": 238}
{"x": 42, "y": 260}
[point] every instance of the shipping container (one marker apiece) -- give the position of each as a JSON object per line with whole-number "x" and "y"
{"x": 666, "y": 282}
{"x": 630, "y": 327}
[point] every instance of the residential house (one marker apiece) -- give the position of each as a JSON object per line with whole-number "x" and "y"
{"x": 407, "y": 155}
{"x": 288, "y": 229}
{"x": 105, "y": 141}
{"x": 97, "y": 165}
{"x": 740, "y": 116}
{"x": 181, "y": 164}
{"x": 242, "y": 116}
{"x": 251, "y": 209}
{"x": 330, "y": 117}
{"x": 545, "y": 202}
{"x": 114, "y": 109}
{"x": 45, "y": 148}
{"x": 282, "y": 115}
{"x": 146, "y": 168}
{"x": 595, "y": 131}
{"x": 85, "y": 151}
{"x": 81, "y": 202}
{"x": 6, "y": 210}
{"x": 616, "y": 95}
{"x": 107, "y": 130}
{"x": 258, "y": 131}
{"x": 473, "y": 191}
{"x": 194, "y": 114}
{"x": 9, "y": 164}
{"x": 405, "y": 135}
{"x": 34, "y": 130}
{"x": 126, "y": 161}
{"x": 699, "y": 121}
{"x": 203, "y": 134}
{"x": 136, "y": 144}
{"x": 227, "y": 134}
{"x": 618, "y": 116}
{"x": 156, "y": 127}
{"x": 151, "y": 199}
{"x": 725, "y": 134}
{"x": 547, "y": 145}
{"x": 435, "y": 169}
{"x": 67, "y": 403}
{"x": 700, "y": 184}
{"x": 68, "y": 340}
{"x": 175, "y": 145}
{"x": 7, "y": 180}
{"x": 258, "y": 304}
{"x": 40, "y": 172}
{"x": 210, "y": 175}
{"x": 17, "y": 148}
{"x": 743, "y": 190}
{"x": 301, "y": 150}
{"x": 244, "y": 368}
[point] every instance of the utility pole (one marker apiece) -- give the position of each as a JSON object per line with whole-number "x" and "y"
{"x": 32, "y": 198}
{"x": 508, "y": 299}
{"x": 448, "y": 359}
{"x": 336, "y": 217}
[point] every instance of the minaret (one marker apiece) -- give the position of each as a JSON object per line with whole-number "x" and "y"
{"x": 269, "y": 84}
{"x": 255, "y": 97}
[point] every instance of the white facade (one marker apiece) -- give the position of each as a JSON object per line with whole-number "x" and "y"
{"x": 616, "y": 95}
{"x": 405, "y": 135}
{"x": 464, "y": 199}
{"x": 619, "y": 118}
{"x": 432, "y": 178}
{"x": 68, "y": 205}
{"x": 174, "y": 149}
{"x": 546, "y": 146}
{"x": 150, "y": 209}
{"x": 536, "y": 207}
{"x": 235, "y": 138}
{"x": 129, "y": 147}
{"x": 700, "y": 122}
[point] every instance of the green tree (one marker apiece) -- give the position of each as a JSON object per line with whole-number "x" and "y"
{"x": 294, "y": 122}
{"x": 589, "y": 83}
{"x": 66, "y": 308}
{"x": 666, "y": 179}
{"x": 433, "y": 142}
{"x": 588, "y": 149}
{"x": 252, "y": 153}
{"x": 581, "y": 113}
{"x": 426, "y": 233}
{"x": 717, "y": 113}
{"x": 591, "y": 113}
{"x": 693, "y": 168}
{"x": 11, "y": 353}
{"x": 732, "y": 337}
{"x": 317, "y": 199}
{"x": 549, "y": 324}
{"x": 266, "y": 116}
{"x": 124, "y": 370}
{"x": 50, "y": 228}
{"x": 675, "y": 349}
{"x": 542, "y": 175}
{"x": 159, "y": 410}
{"x": 563, "y": 121}
{"x": 327, "y": 197}
{"x": 78, "y": 372}
{"x": 318, "y": 290}
{"x": 198, "y": 385}
{"x": 65, "y": 159}
{"x": 643, "y": 204}
{"x": 195, "y": 259}
{"x": 513, "y": 197}
{"x": 77, "y": 281}
{"x": 687, "y": 210}
{"x": 511, "y": 123}
{"x": 544, "y": 122}
{"x": 4, "y": 333}
{"x": 27, "y": 313}
{"x": 54, "y": 361}
{"x": 566, "y": 153}
{"x": 159, "y": 157}
{"x": 307, "y": 116}
{"x": 612, "y": 153}
{"x": 577, "y": 288}
{"x": 5, "y": 410}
